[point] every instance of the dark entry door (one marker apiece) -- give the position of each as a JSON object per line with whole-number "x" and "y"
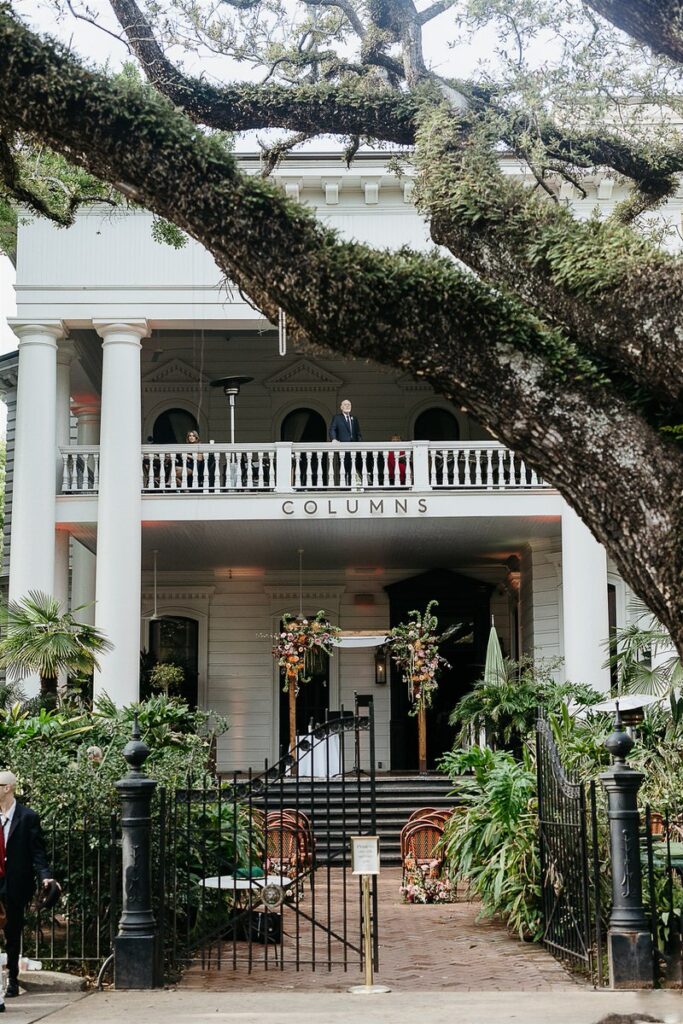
{"x": 464, "y": 601}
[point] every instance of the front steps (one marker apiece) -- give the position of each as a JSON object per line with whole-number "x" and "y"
{"x": 341, "y": 808}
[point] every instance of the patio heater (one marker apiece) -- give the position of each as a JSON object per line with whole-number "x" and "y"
{"x": 231, "y": 389}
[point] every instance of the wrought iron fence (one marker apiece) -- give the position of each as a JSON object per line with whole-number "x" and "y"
{"x": 571, "y": 865}
{"x": 78, "y": 933}
{"x": 254, "y": 872}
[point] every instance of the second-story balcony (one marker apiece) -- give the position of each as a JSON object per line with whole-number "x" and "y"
{"x": 286, "y": 468}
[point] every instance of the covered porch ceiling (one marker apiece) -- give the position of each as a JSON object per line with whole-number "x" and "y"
{"x": 348, "y": 544}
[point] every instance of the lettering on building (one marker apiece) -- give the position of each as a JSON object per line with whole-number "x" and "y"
{"x": 363, "y": 506}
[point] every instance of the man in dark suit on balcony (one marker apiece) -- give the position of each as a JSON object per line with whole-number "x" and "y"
{"x": 345, "y": 428}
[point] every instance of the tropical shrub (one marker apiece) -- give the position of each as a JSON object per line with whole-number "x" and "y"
{"x": 48, "y": 751}
{"x": 506, "y": 705}
{"x": 491, "y": 841}
{"x": 38, "y": 636}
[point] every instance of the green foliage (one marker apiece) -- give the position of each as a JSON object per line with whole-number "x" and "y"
{"x": 491, "y": 842}
{"x": 168, "y": 234}
{"x": 167, "y": 677}
{"x": 39, "y": 637}
{"x": 636, "y": 650}
{"x": 507, "y": 706}
{"x": 48, "y": 751}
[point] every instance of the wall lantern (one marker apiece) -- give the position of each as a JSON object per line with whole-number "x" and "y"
{"x": 380, "y": 665}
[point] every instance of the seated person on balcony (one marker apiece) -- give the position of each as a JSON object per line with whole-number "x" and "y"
{"x": 396, "y": 460}
{"x": 191, "y": 438}
{"x": 345, "y": 428}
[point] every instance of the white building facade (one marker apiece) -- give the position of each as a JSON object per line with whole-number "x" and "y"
{"x": 119, "y": 339}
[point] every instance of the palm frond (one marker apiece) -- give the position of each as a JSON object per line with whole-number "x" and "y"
{"x": 38, "y": 637}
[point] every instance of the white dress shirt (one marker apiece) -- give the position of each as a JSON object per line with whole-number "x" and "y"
{"x": 6, "y": 819}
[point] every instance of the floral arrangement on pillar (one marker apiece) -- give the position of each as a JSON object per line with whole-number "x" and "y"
{"x": 299, "y": 648}
{"x": 414, "y": 646}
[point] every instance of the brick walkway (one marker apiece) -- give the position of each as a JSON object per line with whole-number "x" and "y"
{"x": 421, "y": 947}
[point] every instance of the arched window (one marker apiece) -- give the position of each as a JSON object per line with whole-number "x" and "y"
{"x": 303, "y": 426}
{"x": 436, "y": 425}
{"x": 174, "y": 640}
{"x": 173, "y": 426}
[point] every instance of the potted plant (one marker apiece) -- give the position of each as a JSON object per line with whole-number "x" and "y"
{"x": 167, "y": 677}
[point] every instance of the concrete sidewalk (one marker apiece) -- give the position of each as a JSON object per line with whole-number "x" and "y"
{"x": 35, "y": 1006}
{"x": 579, "y": 1006}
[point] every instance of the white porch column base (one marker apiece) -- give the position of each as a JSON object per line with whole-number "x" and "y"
{"x": 584, "y": 598}
{"x": 118, "y": 584}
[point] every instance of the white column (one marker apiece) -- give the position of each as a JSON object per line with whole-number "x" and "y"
{"x": 65, "y": 355}
{"x": 83, "y": 563}
{"x": 118, "y": 585}
{"x": 32, "y": 551}
{"x": 61, "y": 584}
{"x": 584, "y": 599}
{"x": 87, "y": 415}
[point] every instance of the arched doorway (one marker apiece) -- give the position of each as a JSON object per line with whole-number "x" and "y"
{"x": 436, "y": 424}
{"x": 303, "y": 426}
{"x": 306, "y": 426}
{"x": 172, "y": 426}
{"x": 174, "y": 640}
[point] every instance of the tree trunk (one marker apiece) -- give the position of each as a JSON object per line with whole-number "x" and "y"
{"x": 48, "y": 692}
{"x": 422, "y": 739}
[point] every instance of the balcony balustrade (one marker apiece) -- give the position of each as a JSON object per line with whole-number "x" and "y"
{"x": 291, "y": 468}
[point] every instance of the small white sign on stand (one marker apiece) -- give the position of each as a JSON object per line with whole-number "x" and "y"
{"x": 365, "y": 863}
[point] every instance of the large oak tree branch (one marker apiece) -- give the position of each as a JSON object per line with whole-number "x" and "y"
{"x": 353, "y": 111}
{"x": 609, "y": 287}
{"x": 657, "y": 23}
{"x": 474, "y": 344}
{"x": 343, "y": 109}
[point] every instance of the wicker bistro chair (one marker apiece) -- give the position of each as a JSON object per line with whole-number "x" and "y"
{"x": 438, "y": 815}
{"x": 289, "y": 847}
{"x": 420, "y": 848}
{"x": 300, "y": 820}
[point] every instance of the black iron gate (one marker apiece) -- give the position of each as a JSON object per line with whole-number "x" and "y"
{"x": 570, "y": 868}
{"x": 254, "y": 872}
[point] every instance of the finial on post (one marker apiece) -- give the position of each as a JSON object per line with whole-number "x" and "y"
{"x": 619, "y": 743}
{"x": 136, "y": 750}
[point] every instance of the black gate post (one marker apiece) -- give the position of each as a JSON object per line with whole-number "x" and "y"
{"x": 629, "y": 941}
{"x": 135, "y": 946}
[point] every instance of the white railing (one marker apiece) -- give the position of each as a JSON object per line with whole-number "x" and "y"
{"x": 208, "y": 469}
{"x": 290, "y": 468}
{"x": 80, "y": 469}
{"x": 333, "y": 467}
{"x": 491, "y": 467}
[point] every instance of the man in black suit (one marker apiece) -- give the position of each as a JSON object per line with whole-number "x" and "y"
{"x": 22, "y": 859}
{"x": 345, "y": 428}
